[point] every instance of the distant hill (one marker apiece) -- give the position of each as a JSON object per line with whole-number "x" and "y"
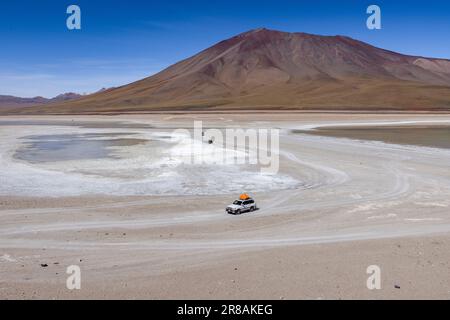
{"x": 12, "y": 102}
{"x": 267, "y": 69}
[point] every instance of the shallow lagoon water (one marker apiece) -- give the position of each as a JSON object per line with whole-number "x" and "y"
{"x": 66, "y": 147}
{"x": 59, "y": 158}
{"x": 419, "y": 135}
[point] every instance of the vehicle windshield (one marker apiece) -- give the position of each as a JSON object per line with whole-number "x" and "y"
{"x": 238, "y": 203}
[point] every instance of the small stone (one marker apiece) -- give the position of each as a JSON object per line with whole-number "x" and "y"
{"x": 397, "y": 287}
{"x": 44, "y": 265}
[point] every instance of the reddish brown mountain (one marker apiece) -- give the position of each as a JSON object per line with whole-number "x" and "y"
{"x": 278, "y": 70}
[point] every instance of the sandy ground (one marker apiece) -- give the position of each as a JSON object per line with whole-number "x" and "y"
{"x": 362, "y": 203}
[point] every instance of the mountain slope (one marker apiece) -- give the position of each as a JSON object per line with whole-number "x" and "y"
{"x": 278, "y": 70}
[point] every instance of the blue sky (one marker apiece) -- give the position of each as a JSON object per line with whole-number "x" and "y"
{"x": 123, "y": 41}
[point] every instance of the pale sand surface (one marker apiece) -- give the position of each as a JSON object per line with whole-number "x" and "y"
{"x": 360, "y": 204}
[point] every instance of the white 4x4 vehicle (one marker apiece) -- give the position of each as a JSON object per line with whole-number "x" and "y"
{"x": 241, "y": 206}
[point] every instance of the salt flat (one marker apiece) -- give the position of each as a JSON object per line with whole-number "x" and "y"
{"x": 142, "y": 225}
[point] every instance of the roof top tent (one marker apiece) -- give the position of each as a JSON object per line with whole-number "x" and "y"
{"x": 244, "y": 197}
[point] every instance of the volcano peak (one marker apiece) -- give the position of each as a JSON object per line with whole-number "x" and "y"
{"x": 264, "y": 68}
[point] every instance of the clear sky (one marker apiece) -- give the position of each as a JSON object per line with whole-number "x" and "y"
{"x": 122, "y": 41}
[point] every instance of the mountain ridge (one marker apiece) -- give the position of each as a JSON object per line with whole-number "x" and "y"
{"x": 11, "y": 101}
{"x": 269, "y": 69}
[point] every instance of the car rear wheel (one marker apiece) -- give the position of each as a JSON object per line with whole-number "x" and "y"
{"x": 252, "y": 209}
{"x": 238, "y": 212}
